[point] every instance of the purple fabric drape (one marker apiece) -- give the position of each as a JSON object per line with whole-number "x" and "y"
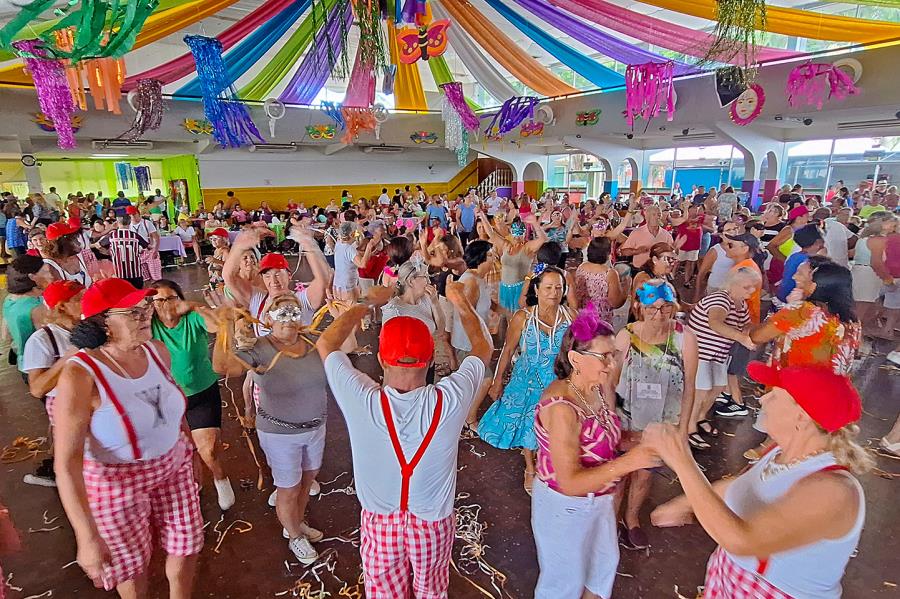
{"x": 594, "y": 38}
{"x": 361, "y": 88}
{"x": 315, "y": 68}
{"x": 409, "y": 11}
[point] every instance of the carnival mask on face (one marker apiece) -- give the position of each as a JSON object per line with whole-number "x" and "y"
{"x": 286, "y": 313}
{"x": 517, "y": 229}
{"x": 649, "y": 294}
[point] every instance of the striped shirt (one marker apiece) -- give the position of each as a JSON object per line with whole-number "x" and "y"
{"x": 711, "y": 346}
{"x": 125, "y": 252}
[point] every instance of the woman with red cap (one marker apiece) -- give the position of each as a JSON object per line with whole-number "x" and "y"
{"x": 787, "y": 527}
{"x": 151, "y": 265}
{"x": 63, "y": 254}
{"x": 123, "y": 455}
{"x": 219, "y": 240}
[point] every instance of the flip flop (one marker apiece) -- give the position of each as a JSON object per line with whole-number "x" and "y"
{"x": 698, "y": 442}
{"x": 712, "y": 432}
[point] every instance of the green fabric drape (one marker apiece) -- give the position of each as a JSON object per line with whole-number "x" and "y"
{"x": 184, "y": 167}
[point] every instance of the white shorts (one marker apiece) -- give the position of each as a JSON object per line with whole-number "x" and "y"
{"x": 577, "y": 544}
{"x": 711, "y": 375}
{"x": 290, "y": 455}
{"x": 891, "y": 296}
{"x": 691, "y": 256}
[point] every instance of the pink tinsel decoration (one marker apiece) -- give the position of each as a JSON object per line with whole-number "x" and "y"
{"x": 52, "y": 86}
{"x": 454, "y": 94}
{"x": 814, "y": 83}
{"x": 649, "y": 87}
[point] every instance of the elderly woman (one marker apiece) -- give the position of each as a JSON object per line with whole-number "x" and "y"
{"x": 26, "y": 278}
{"x": 62, "y": 253}
{"x": 123, "y": 458}
{"x": 788, "y": 526}
{"x": 516, "y": 256}
{"x": 657, "y": 355}
{"x": 558, "y": 230}
{"x": 578, "y": 466}
{"x": 291, "y": 413}
{"x": 660, "y": 265}
{"x": 597, "y": 282}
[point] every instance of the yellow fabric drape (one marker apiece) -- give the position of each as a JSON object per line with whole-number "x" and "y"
{"x": 518, "y": 62}
{"x": 157, "y": 26}
{"x": 799, "y": 23}
{"x": 408, "y": 92}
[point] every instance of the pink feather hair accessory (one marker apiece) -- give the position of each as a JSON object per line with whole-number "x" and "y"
{"x": 588, "y": 325}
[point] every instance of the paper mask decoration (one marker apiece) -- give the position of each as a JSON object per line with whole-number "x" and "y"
{"x": 45, "y": 123}
{"x": 531, "y": 128}
{"x": 748, "y": 106}
{"x": 417, "y": 43}
{"x": 197, "y": 126}
{"x": 425, "y": 137}
{"x": 588, "y": 118}
{"x": 320, "y": 131}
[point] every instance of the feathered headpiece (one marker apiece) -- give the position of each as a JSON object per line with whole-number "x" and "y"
{"x": 588, "y": 325}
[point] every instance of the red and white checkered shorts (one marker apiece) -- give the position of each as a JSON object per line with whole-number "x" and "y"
{"x": 392, "y": 545}
{"x": 727, "y": 580}
{"x": 151, "y": 266}
{"x": 131, "y": 502}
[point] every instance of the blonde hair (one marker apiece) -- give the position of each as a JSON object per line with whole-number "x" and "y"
{"x": 847, "y": 452}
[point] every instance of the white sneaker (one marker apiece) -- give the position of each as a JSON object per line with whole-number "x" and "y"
{"x": 303, "y": 551}
{"x": 315, "y": 489}
{"x": 273, "y": 497}
{"x": 894, "y": 357}
{"x": 225, "y": 493}
{"x": 312, "y": 534}
{"x": 40, "y": 481}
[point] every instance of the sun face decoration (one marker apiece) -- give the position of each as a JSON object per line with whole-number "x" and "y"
{"x": 748, "y": 106}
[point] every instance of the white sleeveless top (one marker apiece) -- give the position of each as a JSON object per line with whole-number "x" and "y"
{"x": 81, "y": 276}
{"x": 138, "y": 419}
{"x": 458, "y": 337}
{"x": 810, "y": 572}
{"x": 720, "y": 268}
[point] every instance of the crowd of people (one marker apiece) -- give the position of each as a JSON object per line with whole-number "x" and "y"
{"x": 626, "y": 329}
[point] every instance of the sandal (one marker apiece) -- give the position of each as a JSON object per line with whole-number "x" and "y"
{"x": 469, "y": 431}
{"x": 752, "y": 455}
{"x": 707, "y": 428}
{"x": 529, "y": 481}
{"x": 698, "y": 442}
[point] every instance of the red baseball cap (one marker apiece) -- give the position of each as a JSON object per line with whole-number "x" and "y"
{"x": 220, "y": 232}
{"x": 274, "y": 260}
{"x": 131, "y": 210}
{"x": 405, "y": 342}
{"x": 111, "y": 293}
{"x": 60, "y": 229}
{"x": 830, "y": 399}
{"x": 58, "y": 292}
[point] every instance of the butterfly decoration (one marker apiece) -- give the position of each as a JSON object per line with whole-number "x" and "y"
{"x": 423, "y": 42}
{"x": 424, "y": 137}
{"x": 531, "y": 128}
{"x": 197, "y": 126}
{"x": 588, "y": 118}
{"x": 320, "y": 131}
{"x": 45, "y": 123}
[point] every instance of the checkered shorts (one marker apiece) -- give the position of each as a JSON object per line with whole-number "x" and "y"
{"x": 151, "y": 266}
{"x": 727, "y": 580}
{"x": 131, "y": 502}
{"x": 391, "y": 545}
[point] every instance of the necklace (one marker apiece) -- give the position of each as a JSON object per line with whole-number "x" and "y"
{"x": 773, "y": 468}
{"x": 115, "y": 363}
{"x": 603, "y": 417}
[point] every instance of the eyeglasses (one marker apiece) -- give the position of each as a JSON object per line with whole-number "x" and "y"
{"x": 665, "y": 308}
{"x": 607, "y": 356}
{"x": 165, "y": 300}
{"x": 139, "y": 312}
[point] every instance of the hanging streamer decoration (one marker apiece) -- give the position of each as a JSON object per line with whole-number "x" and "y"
{"x": 357, "y": 120}
{"x": 511, "y": 114}
{"x": 648, "y": 89}
{"x": 45, "y": 123}
{"x": 372, "y": 47}
{"x": 454, "y": 95}
{"x": 740, "y": 25}
{"x": 102, "y": 76}
{"x": 147, "y": 101}
{"x": 338, "y": 29}
{"x": 387, "y": 85}
{"x": 143, "y": 178}
{"x": 52, "y": 88}
{"x": 232, "y": 125}
{"x": 459, "y": 121}
{"x": 125, "y": 175}
{"x": 812, "y": 84}
{"x": 333, "y": 111}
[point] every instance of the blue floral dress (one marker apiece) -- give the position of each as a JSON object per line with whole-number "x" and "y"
{"x": 509, "y": 422}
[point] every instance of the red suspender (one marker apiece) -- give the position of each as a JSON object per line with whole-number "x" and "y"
{"x": 406, "y": 469}
{"x": 763, "y": 564}
{"x": 165, "y": 371}
{"x": 126, "y": 421}
{"x": 262, "y": 304}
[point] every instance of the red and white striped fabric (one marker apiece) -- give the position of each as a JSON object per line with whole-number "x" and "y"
{"x": 151, "y": 266}
{"x": 131, "y": 503}
{"x": 125, "y": 253}
{"x": 390, "y": 544}
{"x": 726, "y": 580}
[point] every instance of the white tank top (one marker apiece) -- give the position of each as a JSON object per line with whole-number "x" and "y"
{"x": 813, "y": 571}
{"x": 138, "y": 419}
{"x": 720, "y": 268}
{"x": 81, "y": 276}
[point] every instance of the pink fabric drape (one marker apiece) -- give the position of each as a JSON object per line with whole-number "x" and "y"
{"x": 654, "y": 31}
{"x": 182, "y": 66}
{"x": 361, "y": 87}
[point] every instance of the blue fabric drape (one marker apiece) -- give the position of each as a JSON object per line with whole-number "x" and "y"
{"x": 239, "y": 59}
{"x": 591, "y": 70}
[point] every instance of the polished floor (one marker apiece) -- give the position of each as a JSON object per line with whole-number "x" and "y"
{"x": 252, "y": 560}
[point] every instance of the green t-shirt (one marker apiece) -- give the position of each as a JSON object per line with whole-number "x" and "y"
{"x": 17, "y": 313}
{"x": 870, "y": 209}
{"x": 188, "y": 343}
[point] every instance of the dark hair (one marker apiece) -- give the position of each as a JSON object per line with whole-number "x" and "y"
{"x": 17, "y": 279}
{"x": 531, "y": 295}
{"x": 399, "y": 249}
{"x": 807, "y": 236}
{"x": 168, "y": 284}
{"x": 350, "y": 215}
{"x": 562, "y": 368}
{"x": 90, "y": 333}
{"x": 834, "y": 288}
{"x": 550, "y": 252}
{"x": 476, "y": 253}
{"x": 656, "y": 250}
{"x": 230, "y": 194}
{"x": 598, "y": 250}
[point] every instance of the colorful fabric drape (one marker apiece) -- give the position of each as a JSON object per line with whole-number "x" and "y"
{"x": 799, "y": 23}
{"x": 175, "y": 69}
{"x": 408, "y": 92}
{"x": 361, "y": 87}
{"x": 658, "y": 32}
{"x": 602, "y": 42}
{"x": 265, "y": 82}
{"x": 239, "y": 60}
{"x": 315, "y": 69}
{"x": 506, "y": 52}
{"x": 591, "y": 70}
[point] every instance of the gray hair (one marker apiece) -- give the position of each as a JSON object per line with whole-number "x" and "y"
{"x": 742, "y": 274}
{"x": 408, "y": 270}
{"x": 875, "y": 223}
{"x": 347, "y": 230}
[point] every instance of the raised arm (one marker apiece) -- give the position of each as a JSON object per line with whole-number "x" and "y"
{"x": 240, "y": 288}
{"x": 338, "y": 331}
{"x": 321, "y": 281}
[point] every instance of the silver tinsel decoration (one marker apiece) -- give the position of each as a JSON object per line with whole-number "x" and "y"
{"x": 456, "y": 138}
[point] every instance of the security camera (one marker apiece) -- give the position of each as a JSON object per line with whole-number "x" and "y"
{"x": 897, "y": 115}
{"x": 663, "y": 128}
{"x": 578, "y": 136}
{"x": 685, "y": 131}
{"x": 807, "y": 121}
{"x": 629, "y": 135}
{"x": 778, "y": 117}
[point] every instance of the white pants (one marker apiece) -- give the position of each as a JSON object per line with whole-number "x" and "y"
{"x": 577, "y": 544}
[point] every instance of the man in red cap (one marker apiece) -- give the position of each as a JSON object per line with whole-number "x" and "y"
{"x": 151, "y": 265}
{"x": 404, "y": 436}
{"x": 788, "y": 526}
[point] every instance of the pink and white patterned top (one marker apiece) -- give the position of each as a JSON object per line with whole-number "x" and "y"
{"x": 600, "y": 435}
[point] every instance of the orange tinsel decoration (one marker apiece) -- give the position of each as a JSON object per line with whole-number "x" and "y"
{"x": 102, "y": 76}
{"x": 357, "y": 121}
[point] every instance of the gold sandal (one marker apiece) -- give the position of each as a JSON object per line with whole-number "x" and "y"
{"x": 529, "y": 481}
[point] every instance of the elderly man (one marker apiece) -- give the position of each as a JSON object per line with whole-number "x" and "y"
{"x": 644, "y": 237}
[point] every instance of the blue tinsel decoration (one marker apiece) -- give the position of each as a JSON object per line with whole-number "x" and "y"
{"x": 125, "y": 175}
{"x": 232, "y": 125}
{"x": 334, "y": 111}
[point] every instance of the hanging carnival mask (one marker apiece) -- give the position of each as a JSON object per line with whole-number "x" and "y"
{"x": 588, "y": 118}
{"x": 320, "y": 131}
{"x": 424, "y": 137}
{"x": 531, "y": 128}
{"x": 648, "y": 294}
